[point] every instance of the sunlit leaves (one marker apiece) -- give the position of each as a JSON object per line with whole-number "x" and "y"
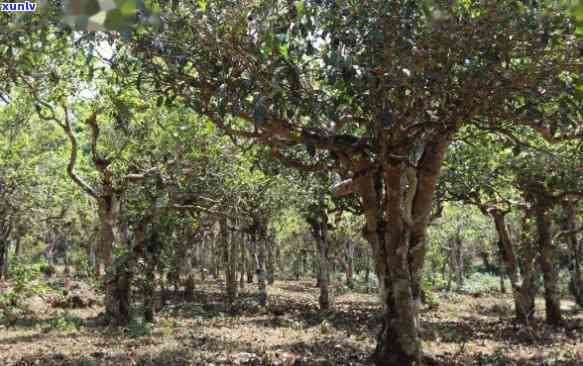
{"x": 95, "y": 15}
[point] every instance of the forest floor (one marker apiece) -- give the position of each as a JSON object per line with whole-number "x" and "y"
{"x": 460, "y": 330}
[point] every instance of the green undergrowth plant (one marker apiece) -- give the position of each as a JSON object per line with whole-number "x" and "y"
{"x": 64, "y": 322}
{"x": 24, "y": 283}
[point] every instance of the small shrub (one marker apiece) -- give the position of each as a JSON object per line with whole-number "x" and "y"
{"x": 481, "y": 283}
{"x": 340, "y": 290}
{"x": 25, "y": 284}
{"x": 138, "y": 329}
{"x": 64, "y": 322}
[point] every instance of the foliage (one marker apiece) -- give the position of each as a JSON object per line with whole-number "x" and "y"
{"x": 25, "y": 283}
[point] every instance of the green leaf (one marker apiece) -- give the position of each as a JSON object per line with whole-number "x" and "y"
{"x": 300, "y": 8}
{"x": 202, "y": 5}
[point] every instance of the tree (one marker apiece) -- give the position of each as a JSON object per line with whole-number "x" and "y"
{"x": 376, "y": 93}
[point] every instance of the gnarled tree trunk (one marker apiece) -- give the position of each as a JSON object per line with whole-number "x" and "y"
{"x": 119, "y": 278}
{"x": 550, "y": 275}
{"x": 397, "y": 203}
{"x": 108, "y": 218}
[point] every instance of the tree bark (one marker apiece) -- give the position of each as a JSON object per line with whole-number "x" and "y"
{"x": 3, "y": 247}
{"x": 108, "y": 216}
{"x": 259, "y": 237}
{"x": 6, "y": 228}
{"x": 527, "y": 260}
{"x": 250, "y": 257}
{"x": 349, "y": 263}
{"x": 550, "y": 275}
{"x": 118, "y": 281}
{"x": 323, "y": 273}
{"x": 522, "y": 292}
{"x": 242, "y": 262}
{"x": 230, "y": 259}
{"x": 397, "y": 203}
{"x": 187, "y": 264}
{"x": 576, "y": 282}
{"x": 318, "y": 220}
{"x": 117, "y": 297}
{"x": 270, "y": 265}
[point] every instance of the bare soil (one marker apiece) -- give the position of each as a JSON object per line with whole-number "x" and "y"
{"x": 460, "y": 330}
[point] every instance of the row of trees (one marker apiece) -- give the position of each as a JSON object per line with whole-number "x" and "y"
{"x": 376, "y": 101}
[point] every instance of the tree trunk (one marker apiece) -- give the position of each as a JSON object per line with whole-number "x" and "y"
{"x": 17, "y": 247}
{"x": 3, "y": 250}
{"x": 118, "y": 281}
{"x": 349, "y": 263}
{"x": 502, "y": 283}
{"x": 230, "y": 260}
{"x": 528, "y": 289}
{"x": 270, "y": 265}
{"x": 576, "y": 282}
{"x": 108, "y": 216}
{"x": 397, "y": 203}
{"x": 323, "y": 273}
{"x": 522, "y": 292}
{"x": 367, "y": 268}
{"x": 117, "y": 297}
{"x": 216, "y": 255}
{"x": 318, "y": 220}
{"x": 242, "y": 262}
{"x": 259, "y": 236}
{"x": 550, "y": 275}
{"x": 458, "y": 260}
{"x": 152, "y": 253}
{"x": 188, "y": 270}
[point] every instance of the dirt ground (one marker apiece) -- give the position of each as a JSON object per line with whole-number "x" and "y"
{"x": 460, "y": 330}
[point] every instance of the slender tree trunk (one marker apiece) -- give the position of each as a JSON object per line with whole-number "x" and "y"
{"x": 550, "y": 275}
{"x": 250, "y": 257}
{"x": 242, "y": 262}
{"x": 349, "y": 263}
{"x": 153, "y": 250}
{"x": 576, "y": 282}
{"x": 323, "y": 273}
{"x": 367, "y": 268}
{"x": 260, "y": 257}
{"x": 230, "y": 260}
{"x": 188, "y": 269}
{"x": 149, "y": 291}
{"x": 17, "y": 247}
{"x": 67, "y": 270}
{"x": 270, "y": 265}
{"x": 502, "y": 283}
{"x": 318, "y": 220}
{"x": 3, "y": 251}
{"x": 458, "y": 260}
{"x": 522, "y": 292}
{"x": 217, "y": 257}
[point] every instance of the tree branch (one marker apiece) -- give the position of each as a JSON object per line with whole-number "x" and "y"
{"x": 73, "y": 155}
